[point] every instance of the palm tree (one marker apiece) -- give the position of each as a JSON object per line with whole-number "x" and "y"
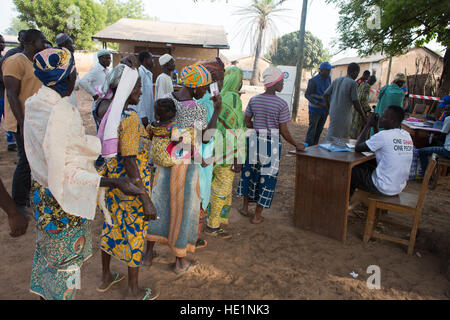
{"x": 259, "y": 26}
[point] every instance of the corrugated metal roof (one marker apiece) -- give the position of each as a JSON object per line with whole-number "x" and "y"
{"x": 372, "y": 58}
{"x": 207, "y": 36}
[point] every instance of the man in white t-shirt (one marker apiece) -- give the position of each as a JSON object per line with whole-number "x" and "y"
{"x": 164, "y": 83}
{"x": 393, "y": 148}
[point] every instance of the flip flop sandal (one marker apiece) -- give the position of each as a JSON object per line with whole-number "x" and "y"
{"x": 150, "y": 295}
{"x": 219, "y": 233}
{"x": 118, "y": 277}
{"x": 201, "y": 244}
{"x": 191, "y": 266}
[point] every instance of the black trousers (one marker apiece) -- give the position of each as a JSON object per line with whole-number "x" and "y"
{"x": 21, "y": 184}
{"x": 316, "y": 124}
{"x": 362, "y": 178}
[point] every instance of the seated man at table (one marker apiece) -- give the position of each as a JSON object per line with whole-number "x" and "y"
{"x": 443, "y": 151}
{"x": 393, "y": 148}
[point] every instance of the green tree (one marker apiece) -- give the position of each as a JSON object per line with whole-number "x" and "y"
{"x": 15, "y": 26}
{"x": 116, "y": 10}
{"x": 259, "y": 26}
{"x": 285, "y": 50}
{"x": 400, "y": 25}
{"x": 79, "y": 18}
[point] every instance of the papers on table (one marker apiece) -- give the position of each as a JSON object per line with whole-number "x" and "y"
{"x": 426, "y": 125}
{"x": 350, "y": 145}
{"x": 368, "y": 154}
{"x": 334, "y": 148}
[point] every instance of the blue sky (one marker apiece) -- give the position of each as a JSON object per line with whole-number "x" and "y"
{"x": 221, "y": 13}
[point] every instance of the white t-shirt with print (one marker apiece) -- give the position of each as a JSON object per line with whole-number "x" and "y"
{"x": 394, "y": 151}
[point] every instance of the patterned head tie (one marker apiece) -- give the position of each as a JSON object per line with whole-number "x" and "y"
{"x": 54, "y": 65}
{"x": 196, "y": 76}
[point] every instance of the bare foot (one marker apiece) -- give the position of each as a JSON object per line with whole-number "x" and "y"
{"x": 141, "y": 294}
{"x": 183, "y": 266}
{"x": 257, "y": 220}
{"x": 148, "y": 258}
{"x": 244, "y": 212}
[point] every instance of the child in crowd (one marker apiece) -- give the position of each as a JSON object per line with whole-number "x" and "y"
{"x": 171, "y": 145}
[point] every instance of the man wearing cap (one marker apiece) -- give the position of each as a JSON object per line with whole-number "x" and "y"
{"x": 391, "y": 94}
{"x": 164, "y": 83}
{"x": 318, "y": 111}
{"x": 94, "y": 79}
{"x": 63, "y": 40}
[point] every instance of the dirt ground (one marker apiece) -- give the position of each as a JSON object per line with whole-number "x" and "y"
{"x": 273, "y": 260}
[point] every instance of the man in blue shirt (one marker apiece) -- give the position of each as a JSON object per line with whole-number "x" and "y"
{"x": 443, "y": 151}
{"x": 318, "y": 111}
{"x": 444, "y": 103}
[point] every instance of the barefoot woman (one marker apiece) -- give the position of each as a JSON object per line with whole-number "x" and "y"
{"x": 268, "y": 115}
{"x": 176, "y": 193}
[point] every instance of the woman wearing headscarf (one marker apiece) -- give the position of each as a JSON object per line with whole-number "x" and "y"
{"x": 229, "y": 154}
{"x": 66, "y": 186}
{"x": 109, "y": 88}
{"x": 268, "y": 116}
{"x": 125, "y": 147}
{"x": 217, "y": 70}
{"x": 106, "y": 96}
{"x": 178, "y": 186}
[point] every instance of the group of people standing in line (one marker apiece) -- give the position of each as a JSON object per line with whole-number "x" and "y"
{"x": 146, "y": 196}
{"x": 138, "y": 172}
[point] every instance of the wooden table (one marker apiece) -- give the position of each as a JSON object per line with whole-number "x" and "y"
{"x": 420, "y": 135}
{"x": 322, "y": 190}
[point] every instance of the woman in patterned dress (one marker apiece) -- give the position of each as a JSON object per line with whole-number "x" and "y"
{"x": 230, "y": 157}
{"x": 178, "y": 186}
{"x": 66, "y": 186}
{"x": 124, "y": 236}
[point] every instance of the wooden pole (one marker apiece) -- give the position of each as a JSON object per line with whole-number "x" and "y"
{"x": 389, "y": 70}
{"x": 301, "y": 48}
